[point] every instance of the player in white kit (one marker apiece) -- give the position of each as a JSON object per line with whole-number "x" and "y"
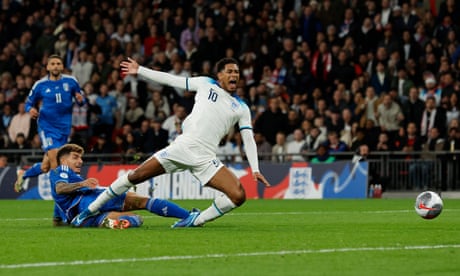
{"x": 215, "y": 112}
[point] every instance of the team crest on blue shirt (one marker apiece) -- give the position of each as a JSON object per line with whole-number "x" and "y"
{"x": 63, "y": 175}
{"x": 65, "y": 86}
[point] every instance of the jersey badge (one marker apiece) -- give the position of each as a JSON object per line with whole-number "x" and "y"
{"x": 234, "y": 106}
{"x": 65, "y": 86}
{"x": 47, "y": 90}
{"x": 64, "y": 175}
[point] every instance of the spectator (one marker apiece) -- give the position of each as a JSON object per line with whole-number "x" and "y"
{"x": 383, "y": 143}
{"x": 413, "y": 108}
{"x": 312, "y": 140}
{"x": 420, "y": 171}
{"x": 333, "y": 143}
{"x": 145, "y": 137}
{"x": 380, "y": 80}
{"x": 411, "y": 142}
{"x": 293, "y": 148}
{"x": 432, "y": 116}
{"x": 103, "y": 146}
{"x": 108, "y": 106}
{"x": 452, "y": 108}
{"x": 389, "y": 115}
{"x": 118, "y": 92}
{"x": 3, "y": 161}
{"x": 372, "y": 102}
{"x": 189, "y": 34}
{"x": 321, "y": 66}
{"x": 402, "y": 84}
{"x": 102, "y": 66}
{"x": 322, "y": 155}
{"x": 158, "y": 103}
{"x": 431, "y": 90}
{"x": 279, "y": 150}
{"x": 173, "y": 124}
{"x": 83, "y": 68}
{"x": 271, "y": 121}
{"x": 134, "y": 114}
{"x": 20, "y": 123}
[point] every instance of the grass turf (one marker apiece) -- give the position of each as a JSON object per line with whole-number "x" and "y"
{"x": 263, "y": 237}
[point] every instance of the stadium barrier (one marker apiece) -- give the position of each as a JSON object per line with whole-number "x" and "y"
{"x": 299, "y": 180}
{"x": 393, "y": 170}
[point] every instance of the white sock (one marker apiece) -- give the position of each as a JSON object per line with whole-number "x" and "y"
{"x": 219, "y": 207}
{"x": 118, "y": 187}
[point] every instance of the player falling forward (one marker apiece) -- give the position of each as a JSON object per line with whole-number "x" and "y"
{"x": 73, "y": 194}
{"x": 51, "y": 100}
{"x": 215, "y": 112}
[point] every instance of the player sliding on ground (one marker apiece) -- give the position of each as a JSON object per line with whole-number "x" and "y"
{"x": 72, "y": 194}
{"x": 215, "y": 112}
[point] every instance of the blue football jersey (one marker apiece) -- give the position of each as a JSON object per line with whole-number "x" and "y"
{"x": 54, "y": 100}
{"x": 68, "y": 203}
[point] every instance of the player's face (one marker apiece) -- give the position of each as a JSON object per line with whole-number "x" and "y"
{"x": 229, "y": 77}
{"x": 74, "y": 161}
{"x": 55, "y": 67}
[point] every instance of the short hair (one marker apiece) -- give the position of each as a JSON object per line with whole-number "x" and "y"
{"x": 220, "y": 65}
{"x": 67, "y": 149}
{"x": 56, "y": 56}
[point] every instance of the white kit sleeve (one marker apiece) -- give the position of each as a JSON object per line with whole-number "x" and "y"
{"x": 251, "y": 149}
{"x": 161, "y": 77}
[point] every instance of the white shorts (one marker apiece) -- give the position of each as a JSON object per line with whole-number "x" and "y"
{"x": 180, "y": 157}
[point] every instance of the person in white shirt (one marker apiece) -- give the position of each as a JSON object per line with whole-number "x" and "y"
{"x": 293, "y": 148}
{"x": 214, "y": 114}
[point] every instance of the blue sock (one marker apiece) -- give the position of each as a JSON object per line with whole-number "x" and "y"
{"x": 134, "y": 220}
{"x": 166, "y": 208}
{"x": 35, "y": 170}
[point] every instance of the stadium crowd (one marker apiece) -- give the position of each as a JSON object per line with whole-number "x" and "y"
{"x": 336, "y": 73}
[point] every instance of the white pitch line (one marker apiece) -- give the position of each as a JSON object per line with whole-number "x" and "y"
{"x": 235, "y": 255}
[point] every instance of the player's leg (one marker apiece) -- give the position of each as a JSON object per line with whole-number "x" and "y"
{"x": 35, "y": 170}
{"x": 233, "y": 196}
{"x": 157, "y": 206}
{"x": 148, "y": 169}
{"x": 121, "y": 220}
{"x": 52, "y": 160}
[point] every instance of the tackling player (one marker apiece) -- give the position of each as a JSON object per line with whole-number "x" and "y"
{"x": 215, "y": 112}
{"x": 73, "y": 194}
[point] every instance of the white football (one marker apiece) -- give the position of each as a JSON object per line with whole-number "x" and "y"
{"x": 428, "y": 205}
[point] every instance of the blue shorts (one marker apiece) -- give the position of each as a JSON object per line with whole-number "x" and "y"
{"x": 113, "y": 205}
{"x": 52, "y": 139}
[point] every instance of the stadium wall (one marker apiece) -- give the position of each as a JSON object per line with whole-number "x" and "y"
{"x": 301, "y": 180}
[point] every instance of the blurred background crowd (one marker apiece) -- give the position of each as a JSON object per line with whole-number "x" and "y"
{"x": 317, "y": 75}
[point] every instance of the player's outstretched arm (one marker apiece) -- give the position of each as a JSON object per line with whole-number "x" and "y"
{"x": 69, "y": 188}
{"x": 259, "y": 177}
{"x": 131, "y": 67}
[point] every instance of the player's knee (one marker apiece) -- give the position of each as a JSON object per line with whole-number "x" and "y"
{"x": 239, "y": 196}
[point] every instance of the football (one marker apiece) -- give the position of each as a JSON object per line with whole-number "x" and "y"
{"x": 428, "y": 205}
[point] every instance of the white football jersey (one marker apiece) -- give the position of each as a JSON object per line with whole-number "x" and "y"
{"x": 215, "y": 112}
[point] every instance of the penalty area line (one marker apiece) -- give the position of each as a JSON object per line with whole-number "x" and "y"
{"x": 219, "y": 256}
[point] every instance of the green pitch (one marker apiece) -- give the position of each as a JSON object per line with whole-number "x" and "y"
{"x": 263, "y": 237}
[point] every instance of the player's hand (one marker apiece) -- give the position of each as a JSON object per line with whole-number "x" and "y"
{"x": 79, "y": 97}
{"x": 33, "y": 113}
{"x": 91, "y": 183}
{"x": 129, "y": 67}
{"x": 259, "y": 177}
